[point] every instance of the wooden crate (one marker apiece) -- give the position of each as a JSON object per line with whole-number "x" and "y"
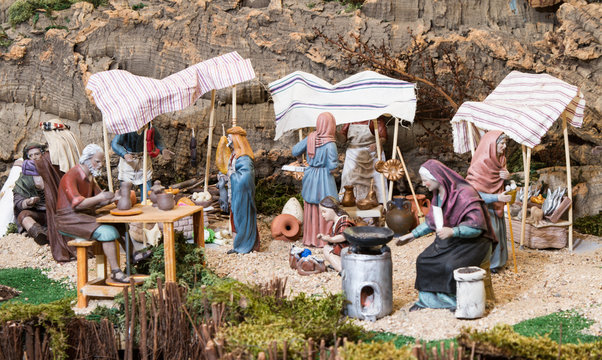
{"x": 545, "y": 236}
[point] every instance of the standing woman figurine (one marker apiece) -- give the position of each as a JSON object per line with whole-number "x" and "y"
{"x": 464, "y": 240}
{"x": 486, "y": 174}
{"x": 318, "y": 181}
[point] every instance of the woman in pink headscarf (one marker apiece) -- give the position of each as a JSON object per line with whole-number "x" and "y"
{"x": 486, "y": 174}
{"x": 318, "y": 181}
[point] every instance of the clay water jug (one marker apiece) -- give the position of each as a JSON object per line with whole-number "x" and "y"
{"x": 400, "y": 220}
{"x": 165, "y": 201}
{"x": 348, "y": 196}
{"x": 423, "y": 202}
{"x": 125, "y": 201}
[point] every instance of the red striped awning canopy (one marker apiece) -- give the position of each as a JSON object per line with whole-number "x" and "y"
{"x": 523, "y": 106}
{"x": 128, "y": 101}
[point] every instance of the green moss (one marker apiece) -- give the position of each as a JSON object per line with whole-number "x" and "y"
{"x": 54, "y": 317}
{"x": 513, "y": 345}
{"x": 22, "y": 10}
{"x": 138, "y": 6}
{"x": 589, "y": 225}
{"x": 250, "y": 339}
{"x": 12, "y": 227}
{"x": 572, "y": 325}
{"x": 36, "y": 287}
{"x": 270, "y": 197}
{"x": 375, "y": 351}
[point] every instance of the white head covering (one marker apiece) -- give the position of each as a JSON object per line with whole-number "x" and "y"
{"x": 88, "y": 152}
{"x": 426, "y": 174}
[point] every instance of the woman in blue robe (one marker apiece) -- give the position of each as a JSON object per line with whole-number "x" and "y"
{"x": 242, "y": 185}
{"x": 318, "y": 181}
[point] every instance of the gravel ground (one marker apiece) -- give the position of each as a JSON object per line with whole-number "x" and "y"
{"x": 546, "y": 282}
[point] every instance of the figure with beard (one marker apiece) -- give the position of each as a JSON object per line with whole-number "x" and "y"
{"x": 486, "y": 174}
{"x": 78, "y": 197}
{"x": 464, "y": 240}
{"x": 28, "y": 196}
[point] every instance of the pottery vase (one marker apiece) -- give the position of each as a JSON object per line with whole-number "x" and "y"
{"x": 400, "y": 220}
{"x": 155, "y": 190}
{"x": 348, "y": 196}
{"x": 165, "y": 201}
{"x": 423, "y": 202}
{"x": 125, "y": 201}
{"x": 286, "y": 227}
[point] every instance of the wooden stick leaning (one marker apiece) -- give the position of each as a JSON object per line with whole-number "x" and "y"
{"x": 569, "y": 188}
{"x": 378, "y": 156}
{"x": 105, "y": 136}
{"x": 210, "y": 141}
{"x": 233, "y": 105}
{"x": 405, "y": 170}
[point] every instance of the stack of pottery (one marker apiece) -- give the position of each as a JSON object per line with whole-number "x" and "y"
{"x": 161, "y": 199}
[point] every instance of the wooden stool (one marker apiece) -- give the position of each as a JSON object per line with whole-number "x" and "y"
{"x": 487, "y": 280}
{"x": 96, "y": 287}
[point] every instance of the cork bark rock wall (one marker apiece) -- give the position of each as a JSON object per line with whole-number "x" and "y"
{"x": 44, "y": 72}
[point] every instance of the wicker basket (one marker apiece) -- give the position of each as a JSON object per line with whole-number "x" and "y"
{"x": 547, "y": 235}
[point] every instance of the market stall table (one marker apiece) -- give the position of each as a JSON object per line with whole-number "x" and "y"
{"x": 153, "y": 214}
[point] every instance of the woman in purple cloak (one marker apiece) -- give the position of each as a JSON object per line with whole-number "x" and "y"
{"x": 464, "y": 240}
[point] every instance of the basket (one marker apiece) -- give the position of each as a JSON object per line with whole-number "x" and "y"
{"x": 545, "y": 236}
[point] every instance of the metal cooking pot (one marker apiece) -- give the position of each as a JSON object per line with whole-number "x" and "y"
{"x": 367, "y": 236}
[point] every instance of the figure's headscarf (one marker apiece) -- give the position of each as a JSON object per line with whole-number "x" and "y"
{"x": 240, "y": 143}
{"x": 325, "y": 131}
{"x": 485, "y": 167}
{"x": 29, "y": 168}
{"x": 32, "y": 145}
{"x": 461, "y": 204}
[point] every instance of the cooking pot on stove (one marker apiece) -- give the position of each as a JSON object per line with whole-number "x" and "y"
{"x": 367, "y": 236}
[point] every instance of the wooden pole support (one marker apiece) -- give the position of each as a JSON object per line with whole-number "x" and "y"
{"x": 82, "y": 275}
{"x": 511, "y": 237}
{"x": 527, "y": 169}
{"x": 210, "y": 141}
{"x": 569, "y": 187}
{"x": 383, "y": 183}
{"x": 233, "y": 105}
{"x": 144, "y": 167}
{"x": 170, "y": 254}
{"x": 393, "y": 155}
{"x": 105, "y": 136}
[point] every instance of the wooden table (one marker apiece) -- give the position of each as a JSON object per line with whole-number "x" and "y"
{"x": 153, "y": 214}
{"x": 353, "y": 211}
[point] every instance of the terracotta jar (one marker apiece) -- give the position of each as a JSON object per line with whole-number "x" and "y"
{"x": 348, "y": 196}
{"x": 286, "y": 227}
{"x": 125, "y": 200}
{"x": 423, "y": 202}
{"x": 400, "y": 220}
{"x": 165, "y": 201}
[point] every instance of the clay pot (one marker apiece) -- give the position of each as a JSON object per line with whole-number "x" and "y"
{"x": 155, "y": 190}
{"x": 133, "y": 198}
{"x": 348, "y": 197}
{"x": 423, "y": 202}
{"x": 400, "y": 220}
{"x": 370, "y": 201}
{"x": 165, "y": 201}
{"x": 286, "y": 227}
{"x": 125, "y": 201}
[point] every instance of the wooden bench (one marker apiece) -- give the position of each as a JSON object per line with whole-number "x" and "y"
{"x": 95, "y": 287}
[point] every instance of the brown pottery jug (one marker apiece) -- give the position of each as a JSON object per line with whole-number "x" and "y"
{"x": 125, "y": 201}
{"x": 348, "y": 196}
{"x": 400, "y": 220}
{"x": 423, "y": 202}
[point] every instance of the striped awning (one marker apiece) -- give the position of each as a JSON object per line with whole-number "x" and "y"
{"x": 523, "y": 106}
{"x": 300, "y": 97}
{"x": 128, "y": 101}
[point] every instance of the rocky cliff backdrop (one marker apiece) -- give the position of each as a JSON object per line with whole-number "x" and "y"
{"x": 463, "y": 47}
